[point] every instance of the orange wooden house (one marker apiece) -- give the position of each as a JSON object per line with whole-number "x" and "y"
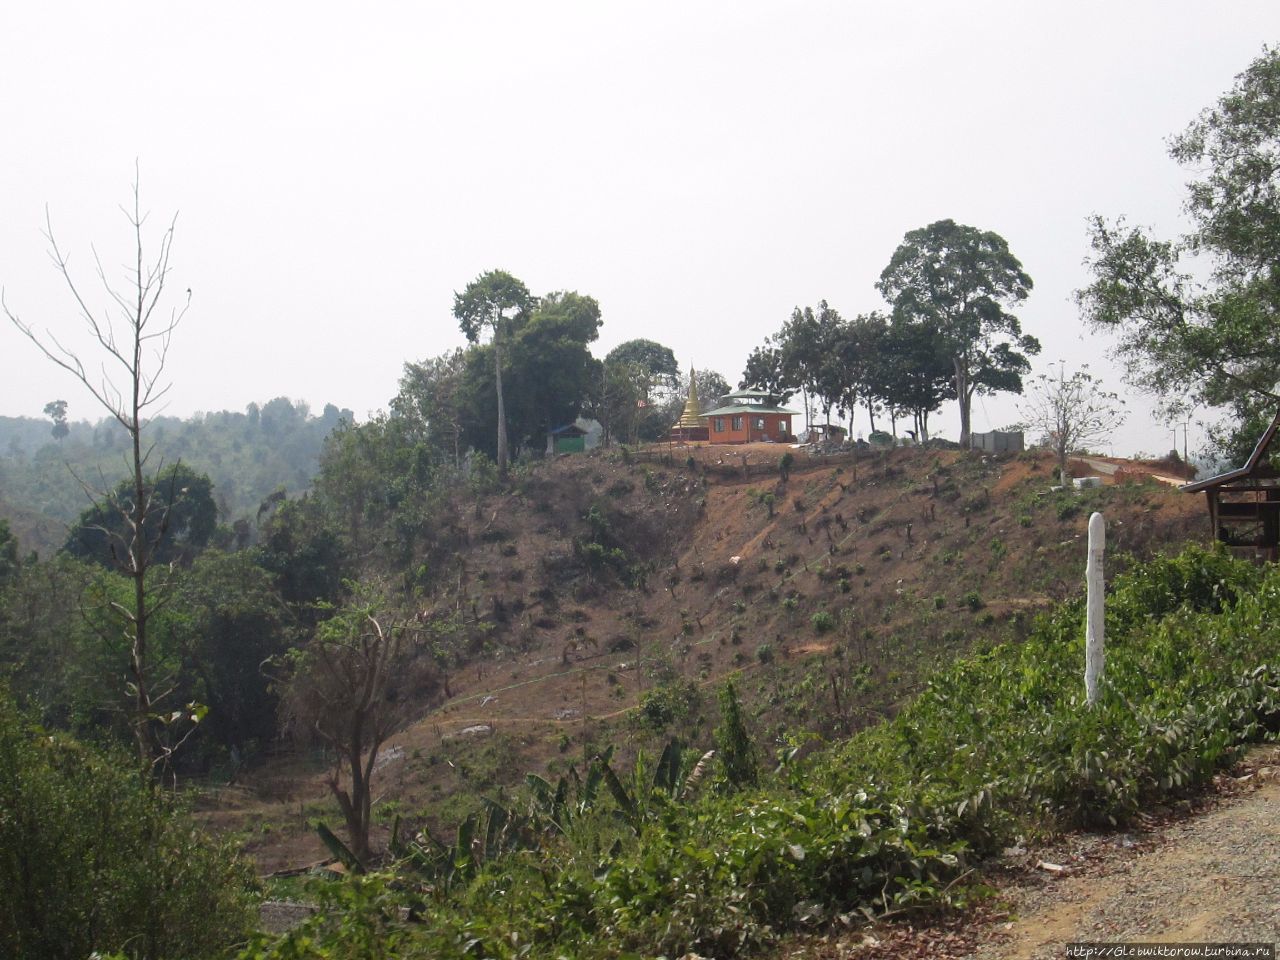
{"x": 749, "y": 416}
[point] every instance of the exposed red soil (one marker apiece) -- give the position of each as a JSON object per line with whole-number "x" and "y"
{"x": 914, "y": 553}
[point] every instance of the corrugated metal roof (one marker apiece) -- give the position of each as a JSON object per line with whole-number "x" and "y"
{"x": 1251, "y": 465}
{"x": 748, "y": 408}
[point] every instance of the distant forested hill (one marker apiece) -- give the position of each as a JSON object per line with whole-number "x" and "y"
{"x": 247, "y": 455}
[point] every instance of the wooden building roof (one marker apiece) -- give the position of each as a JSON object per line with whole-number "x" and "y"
{"x": 1256, "y": 469}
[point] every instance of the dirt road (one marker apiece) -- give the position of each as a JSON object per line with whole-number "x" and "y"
{"x": 1209, "y": 878}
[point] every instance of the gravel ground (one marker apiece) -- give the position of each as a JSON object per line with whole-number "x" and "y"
{"x": 1208, "y": 878}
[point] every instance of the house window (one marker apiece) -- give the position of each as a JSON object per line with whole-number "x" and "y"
{"x": 759, "y": 423}
{"x": 782, "y": 428}
{"x": 737, "y": 423}
{"x": 719, "y": 424}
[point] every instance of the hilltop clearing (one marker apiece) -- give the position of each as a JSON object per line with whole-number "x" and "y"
{"x": 599, "y": 599}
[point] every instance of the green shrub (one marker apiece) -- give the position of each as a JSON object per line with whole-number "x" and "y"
{"x": 92, "y": 858}
{"x": 822, "y": 622}
{"x": 973, "y": 600}
{"x": 670, "y": 703}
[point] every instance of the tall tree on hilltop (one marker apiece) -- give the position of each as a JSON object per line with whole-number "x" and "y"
{"x": 917, "y": 373}
{"x": 552, "y": 361}
{"x": 639, "y": 377}
{"x": 764, "y": 371}
{"x": 1215, "y": 343}
{"x": 431, "y": 396}
{"x": 805, "y": 343}
{"x": 959, "y": 281}
{"x": 495, "y": 300}
{"x": 56, "y": 410}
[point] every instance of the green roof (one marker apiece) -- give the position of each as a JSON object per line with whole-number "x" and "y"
{"x": 747, "y": 408}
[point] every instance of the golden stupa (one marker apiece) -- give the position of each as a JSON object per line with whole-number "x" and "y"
{"x": 692, "y": 425}
{"x": 691, "y": 419}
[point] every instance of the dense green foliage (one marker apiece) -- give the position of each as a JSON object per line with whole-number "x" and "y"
{"x": 958, "y": 283}
{"x": 222, "y": 618}
{"x": 93, "y": 857}
{"x": 247, "y": 456}
{"x": 1184, "y": 340}
{"x": 180, "y": 503}
{"x": 996, "y": 747}
{"x": 897, "y": 368}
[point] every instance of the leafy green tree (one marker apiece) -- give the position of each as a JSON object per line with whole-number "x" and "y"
{"x": 655, "y": 361}
{"x": 916, "y": 372}
{"x": 1190, "y": 342}
{"x": 764, "y": 371}
{"x": 180, "y": 517}
{"x": 56, "y": 410}
{"x": 960, "y": 282}
{"x": 56, "y": 663}
{"x": 806, "y": 345}
{"x": 93, "y": 860}
{"x": 431, "y": 395}
{"x": 494, "y": 301}
{"x": 301, "y": 548}
{"x": 232, "y": 623}
{"x": 8, "y": 552}
{"x": 548, "y": 374}
{"x": 551, "y": 360}
{"x": 376, "y": 479}
{"x": 734, "y": 747}
{"x": 640, "y": 376}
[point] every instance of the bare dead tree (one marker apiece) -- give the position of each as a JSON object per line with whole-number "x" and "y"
{"x": 1070, "y": 410}
{"x": 132, "y": 335}
{"x": 351, "y": 688}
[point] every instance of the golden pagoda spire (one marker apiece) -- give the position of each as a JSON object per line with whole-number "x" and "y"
{"x": 692, "y": 416}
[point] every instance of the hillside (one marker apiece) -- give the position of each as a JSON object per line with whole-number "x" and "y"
{"x": 831, "y": 594}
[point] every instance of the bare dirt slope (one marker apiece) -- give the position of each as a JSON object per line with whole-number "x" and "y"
{"x": 831, "y": 593}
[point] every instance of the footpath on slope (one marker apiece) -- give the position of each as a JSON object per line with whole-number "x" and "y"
{"x": 1211, "y": 877}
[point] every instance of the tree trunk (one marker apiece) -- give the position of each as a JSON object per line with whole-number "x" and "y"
{"x": 143, "y": 724}
{"x": 502, "y": 413}
{"x": 965, "y": 397}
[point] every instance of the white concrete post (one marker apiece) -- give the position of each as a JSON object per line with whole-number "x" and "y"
{"x": 1094, "y": 656}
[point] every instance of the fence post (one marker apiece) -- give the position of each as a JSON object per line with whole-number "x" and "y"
{"x": 1094, "y": 655}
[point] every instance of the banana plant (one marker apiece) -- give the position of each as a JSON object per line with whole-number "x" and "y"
{"x": 674, "y": 779}
{"x": 481, "y": 838}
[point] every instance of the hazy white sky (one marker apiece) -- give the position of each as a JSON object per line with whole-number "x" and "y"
{"x": 700, "y": 168}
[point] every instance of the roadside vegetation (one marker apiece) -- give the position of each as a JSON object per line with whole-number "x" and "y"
{"x": 999, "y": 747}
